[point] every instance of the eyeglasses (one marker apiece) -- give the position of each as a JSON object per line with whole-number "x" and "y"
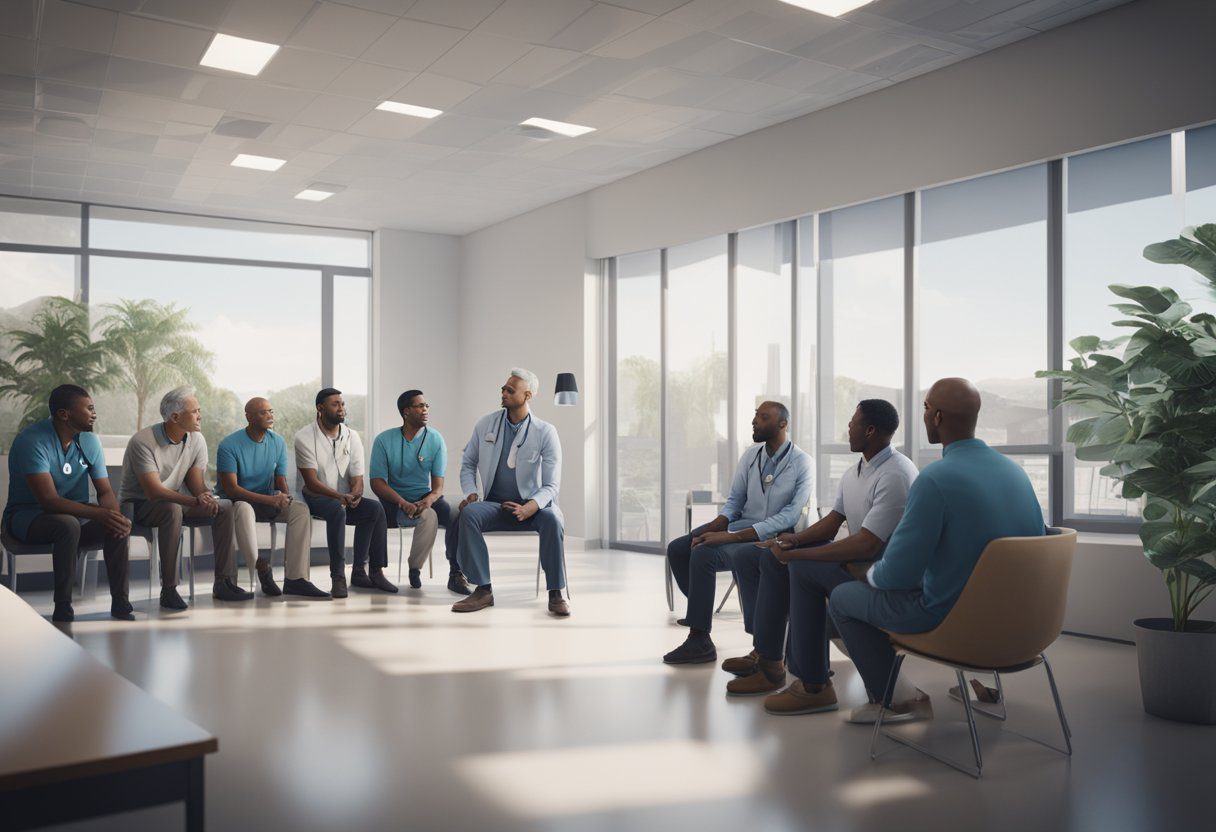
{"x": 423, "y": 406}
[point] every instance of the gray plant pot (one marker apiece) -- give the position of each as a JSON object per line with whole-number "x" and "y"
{"x": 1177, "y": 670}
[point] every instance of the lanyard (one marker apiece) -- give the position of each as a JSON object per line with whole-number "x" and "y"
{"x": 513, "y": 453}
{"x": 84, "y": 460}
{"x": 766, "y": 481}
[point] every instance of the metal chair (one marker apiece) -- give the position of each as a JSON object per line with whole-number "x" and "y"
{"x": 391, "y": 519}
{"x": 693, "y": 498}
{"x": 1010, "y": 611}
{"x": 274, "y": 532}
{"x": 13, "y": 548}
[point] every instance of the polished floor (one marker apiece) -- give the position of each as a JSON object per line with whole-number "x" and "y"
{"x": 390, "y": 712}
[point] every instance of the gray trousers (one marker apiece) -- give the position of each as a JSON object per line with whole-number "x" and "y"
{"x": 67, "y": 534}
{"x": 478, "y": 518}
{"x": 167, "y": 517}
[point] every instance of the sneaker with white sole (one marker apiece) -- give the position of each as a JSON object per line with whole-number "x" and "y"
{"x": 907, "y": 711}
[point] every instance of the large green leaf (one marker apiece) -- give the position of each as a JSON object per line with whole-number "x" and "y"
{"x": 1201, "y": 569}
{"x": 1201, "y": 471}
{"x": 1187, "y": 252}
{"x": 1085, "y": 344}
{"x": 1176, "y": 312}
{"x": 1205, "y": 234}
{"x": 1152, "y": 299}
{"x": 1135, "y": 453}
{"x": 1155, "y": 509}
{"x": 1096, "y": 453}
{"x": 1158, "y": 482}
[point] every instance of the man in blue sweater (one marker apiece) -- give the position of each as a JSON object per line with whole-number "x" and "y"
{"x": 955, "y": 508}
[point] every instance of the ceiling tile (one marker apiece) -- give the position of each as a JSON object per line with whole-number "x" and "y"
{"x": 165, "y": 43}
{"x": 18, "y": 18}
{"x": 641, "y": 41}
{"x": 455, "y": 130}
{"x": 303, "y": 68}
{"x": 341, "y": 29}
{"x": 218, "y": 91}
{"x": 536, "y": 21}
{"x": 80, "y": 27}
{"x": 540, "y": 64}
{"x": 65, "y": 98}
{"x": 64, "y": 64}
{"x": 479, "y": 57}
{"x": 591, "y": 76}
{"x": 412, "y": 44}
{"x": 600, "y": 25}
{"x": 435, "y": 91}
{"x": 17, "y": 56}
{"x": 465, "y": 14}
{"x": 801, "y": 74}
{"x": 148, "y": 78}
{"x": 381, "y": 125}
{"x": 207, "y": 14}
{"x": 332, "y": 112}
{"x": 369, "y": 81}
{"x": 272, "y": 21}
{"x": 15, "y": 92}
{"x": 650, "y": 6}
{"x": 273, "y": 103}
{"x": 736, "y": 60}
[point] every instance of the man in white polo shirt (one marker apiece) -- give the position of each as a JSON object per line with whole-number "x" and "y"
{"x": 329, "y": 459}
{"x": 799, "y": 571}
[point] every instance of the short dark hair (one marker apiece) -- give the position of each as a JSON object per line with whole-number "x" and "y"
{"x": 880, "y": 415}
{"x": 326, "y": 393}
{"x": 783, "y": 412}
{"x": 64, "y": 396}
{"x": 403, "y": 401}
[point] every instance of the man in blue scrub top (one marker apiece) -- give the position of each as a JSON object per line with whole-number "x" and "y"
{"x": 956, "y": 507}
{"x": 772, "y": 485}
{"x": 49, "y": 468}
{"x": 407, "y": 473}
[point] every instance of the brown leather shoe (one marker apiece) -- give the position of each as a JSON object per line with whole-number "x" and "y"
{"x": 479, "y": 600}
{"x": 558, "y": 606}
{"x": 742, "y": 665}
{"x": 796, "y": 699}
{"x": 770, "y": 676}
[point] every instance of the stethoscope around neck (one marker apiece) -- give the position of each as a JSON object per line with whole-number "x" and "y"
{"x": 514, "y": 452}
{"x": 84, "y": 460}
{"x": 765, "y": 482}
{"x": 421, "y": 445}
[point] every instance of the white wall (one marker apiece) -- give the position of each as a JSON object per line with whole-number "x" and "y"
{"x": 1135, "y": 70}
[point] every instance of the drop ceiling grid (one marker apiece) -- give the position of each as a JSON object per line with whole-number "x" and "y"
{"x": 104, "y": 100}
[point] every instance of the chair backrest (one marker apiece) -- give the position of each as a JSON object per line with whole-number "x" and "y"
{"x": 1012, "y": 607}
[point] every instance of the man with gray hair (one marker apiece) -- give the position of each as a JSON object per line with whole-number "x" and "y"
{"x": 163, "y": 478}
{"x": 518, "y": 459}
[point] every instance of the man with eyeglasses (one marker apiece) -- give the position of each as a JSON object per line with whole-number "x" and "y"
{"x": 329, "y": 462}
{"x": 252, "y": 472}
{"x": 407, "y": 473}
{"x": 49, "y": 468}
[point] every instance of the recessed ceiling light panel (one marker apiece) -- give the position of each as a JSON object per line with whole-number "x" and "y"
{"x": 408, "y": 109}
{"x": 248, "y": 160}
{"x": 248, "y": 57}
{"x": 832, "y": 8}
{"x": 312, "y": 195}
{"x": 561, "y": 127}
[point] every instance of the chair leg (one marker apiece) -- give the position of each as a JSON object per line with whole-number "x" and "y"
{"x": 975, "y": 737}
{"x": 191, "y": 533}
{"x": 430, "y": 561}
{"x": 11, "y": 560}
{"x": 729, "y": 589}
{"x": 400, "y": 551}
{"x": 153, "y": 562}
{"x": 671, "y": 598}
{"x": 1055, "y": 695}
{"x": 538, "y": 576}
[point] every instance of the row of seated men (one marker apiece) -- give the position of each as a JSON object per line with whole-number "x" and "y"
{"x": 914, "y": 539}
{"x": 510, "y": 475}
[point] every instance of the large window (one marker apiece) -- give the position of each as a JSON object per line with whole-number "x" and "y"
{"x": 984, "y": 279}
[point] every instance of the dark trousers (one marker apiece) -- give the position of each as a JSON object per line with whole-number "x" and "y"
{"x": 68, "y": 535}
{"x": 695, "y": 571}
{"x": 371, "y": 531}
{"x": 797, "y": 591}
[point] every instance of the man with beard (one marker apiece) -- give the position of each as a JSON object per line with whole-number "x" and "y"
{"x": 329, "y": 459}
{"x": 49, "y": 468}
{"x": 771, "y": 487}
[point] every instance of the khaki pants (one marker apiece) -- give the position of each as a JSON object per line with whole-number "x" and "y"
{"x": 425, "y": 526}
{"x": 299, "y": 534}
{"x": 167, "y": 518}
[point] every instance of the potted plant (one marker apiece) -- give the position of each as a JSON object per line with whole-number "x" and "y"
{"x": 1151, "y": 416}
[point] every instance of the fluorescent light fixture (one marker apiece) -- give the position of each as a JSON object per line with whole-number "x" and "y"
{"x": 832, "y": 8}
{"x": 248, "y": 160}
{"x": 408, "y": 109}
{"x": 558, "y": 126}
{"x": 248, "y": 57}
{"x": 313, "y": 195}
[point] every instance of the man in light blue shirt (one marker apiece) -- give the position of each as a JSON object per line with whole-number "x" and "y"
{"x": 49, "y": 468}
{"x": 772, "y": 485}
{"x": 956, "y": 507}
{"x": 407, "y": 471}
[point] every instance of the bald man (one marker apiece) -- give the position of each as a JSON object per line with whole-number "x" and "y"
{"x": 956, "y": 506}
{"x": 252, "y": 467}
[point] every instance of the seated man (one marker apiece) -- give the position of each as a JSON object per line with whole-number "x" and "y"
{"x": 162, "y": 477}
{"x": 956, "y": 507}
{"x": 252, "y": 470}
{"x": 407, "y": 472}
{"x": 519, "y": 461}
{"x": 772, "y": 485}
{"x": 871, "y": 498}
{"x": 329, "y": 462}
{"x": 50, "y": 464}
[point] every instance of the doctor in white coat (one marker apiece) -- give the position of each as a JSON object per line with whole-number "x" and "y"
{"x": 518, "y": 459}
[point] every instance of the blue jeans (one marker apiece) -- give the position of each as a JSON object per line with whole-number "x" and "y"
{"x": 797, "y": 591}
{"x": 480, "y": 517}
{"x": 451, "y": 529}
{"x": 371, "y": 531}
{"x": 862, "y": 613}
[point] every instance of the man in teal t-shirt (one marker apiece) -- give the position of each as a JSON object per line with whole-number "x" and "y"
{"x": 49, "y": 468}
{"x": 251, "y": 464}
{"x": 407, "y": 471}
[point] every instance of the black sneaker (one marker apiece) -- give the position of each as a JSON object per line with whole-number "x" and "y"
{"x": 384, "y": 584}
{"x": 63, "y": 612}
{"x": 416, "y": 578}
{"x": 458, "y": 584}
{"x": 170, "y": 600}
{"x": 681, "y": 622}
{"x": 304, "y": 588}
{"x": 269, "y": 587}
{"x": 226, "y": 590}
{"x": 121, "y": 609}
{"x": 696, "y": 649}
{"x": 337, "y": 586}
{"x": 359, "y": 578}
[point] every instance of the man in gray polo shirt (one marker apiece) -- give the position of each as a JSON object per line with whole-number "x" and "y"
{"x": 871, "y": 499}
{"x": 162, "y": 477}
